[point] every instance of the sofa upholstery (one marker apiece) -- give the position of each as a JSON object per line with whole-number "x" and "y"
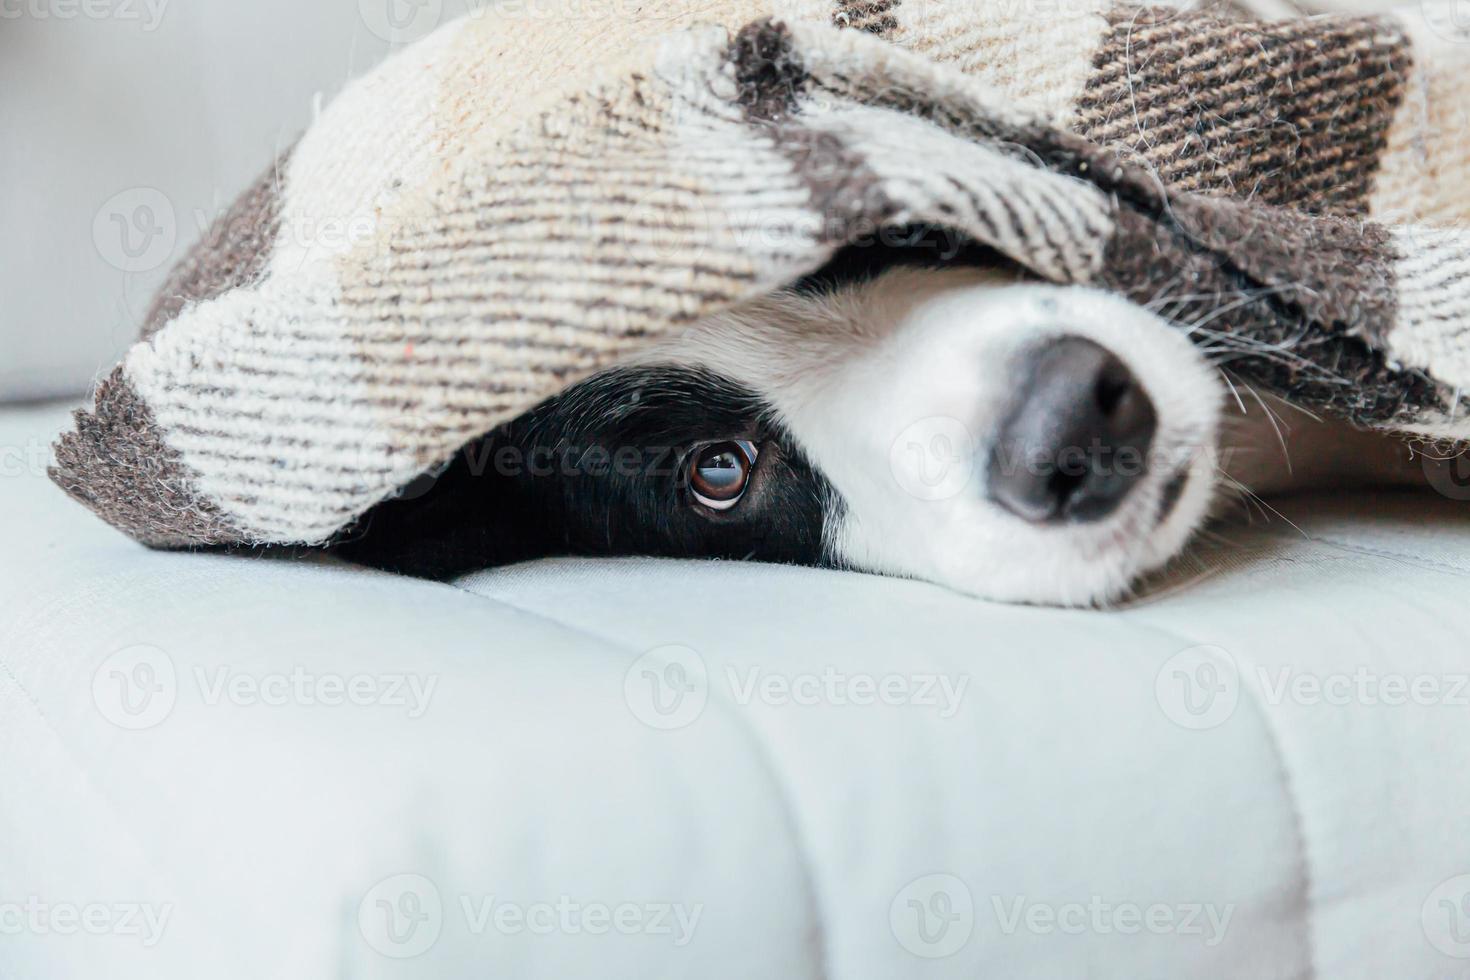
{"x": 221, "y": 765}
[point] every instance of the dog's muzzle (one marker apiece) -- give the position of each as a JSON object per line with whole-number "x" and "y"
{"x": 1077, "y": 438}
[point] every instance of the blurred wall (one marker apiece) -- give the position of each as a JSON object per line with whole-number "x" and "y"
{"x": 125, "y": 126}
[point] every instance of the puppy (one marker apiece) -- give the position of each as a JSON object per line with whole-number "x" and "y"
{"x": 1016, "y": 441}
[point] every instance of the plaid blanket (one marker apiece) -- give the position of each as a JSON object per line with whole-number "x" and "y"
{"x": 522, "y": 199}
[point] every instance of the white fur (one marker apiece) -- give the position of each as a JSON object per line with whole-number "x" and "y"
{"x": 895, "y": 390}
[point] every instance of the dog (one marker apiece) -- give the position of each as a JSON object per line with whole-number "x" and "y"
{"x": 1012, "y": 440}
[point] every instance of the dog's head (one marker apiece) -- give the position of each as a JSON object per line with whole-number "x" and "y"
{"x": 1016, "y": 441}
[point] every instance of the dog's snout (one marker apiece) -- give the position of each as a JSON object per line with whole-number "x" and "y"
{"x": 1077, "y": 438}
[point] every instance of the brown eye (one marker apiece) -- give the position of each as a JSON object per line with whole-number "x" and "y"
{"x": 719, "y": 472}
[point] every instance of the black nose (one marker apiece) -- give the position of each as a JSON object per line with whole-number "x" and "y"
{"x": 1077, "y": 439}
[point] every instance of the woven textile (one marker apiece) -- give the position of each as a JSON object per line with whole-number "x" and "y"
{"x": 527, "y": 197}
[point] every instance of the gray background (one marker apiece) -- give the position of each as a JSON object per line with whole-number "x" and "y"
{"x": 177, "y": 113}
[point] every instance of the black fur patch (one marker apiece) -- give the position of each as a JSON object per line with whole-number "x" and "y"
{"x": 600, "y": 470}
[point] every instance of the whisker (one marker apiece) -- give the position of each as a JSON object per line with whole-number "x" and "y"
{"x": 1262, "y": 503}
{"x": 1275, "y": 425}
{"x": 1238, "y": 400}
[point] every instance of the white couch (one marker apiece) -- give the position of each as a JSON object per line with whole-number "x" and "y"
{"x": 220, "y": 766}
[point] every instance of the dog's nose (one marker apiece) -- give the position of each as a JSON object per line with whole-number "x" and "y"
{"x": 1077, "y": 439}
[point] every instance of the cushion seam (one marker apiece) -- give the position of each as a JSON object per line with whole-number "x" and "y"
{"x": 766, "y": 760}
{"x": 1289, "y": 792}
{"x": 85, "y": 773}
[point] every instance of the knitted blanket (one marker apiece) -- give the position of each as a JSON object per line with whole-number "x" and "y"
{"x": 526, "y": 197}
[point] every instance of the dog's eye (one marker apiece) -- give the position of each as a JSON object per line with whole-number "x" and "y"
{"x": 719, "y": 472}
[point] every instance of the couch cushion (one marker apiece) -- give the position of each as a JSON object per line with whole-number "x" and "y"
{"x": 273, "y": 757}
{"x": 1278, "y": 732}
{"x": 841, "y": 775}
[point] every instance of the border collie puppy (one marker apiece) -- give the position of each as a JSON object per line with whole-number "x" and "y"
{"x": 1021, "y": 442}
